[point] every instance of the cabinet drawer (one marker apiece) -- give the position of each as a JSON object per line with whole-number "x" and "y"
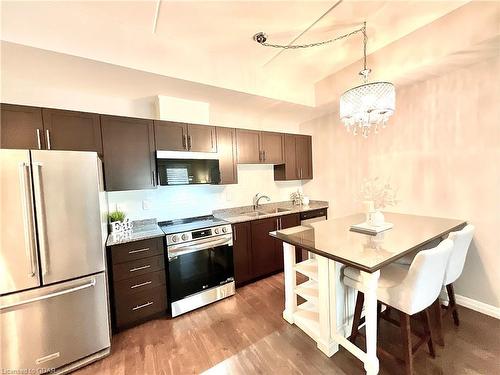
{"x": 136, "y": 250}
{"x": 138, "y": 267}
{"x": 138, "y": 284}
{"x": 140, "y": 305}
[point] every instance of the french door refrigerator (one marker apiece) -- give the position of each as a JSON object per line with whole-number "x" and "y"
{"x": 53, "y": 291}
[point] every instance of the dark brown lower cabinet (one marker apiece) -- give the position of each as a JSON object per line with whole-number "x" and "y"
{"x": 242, "y": 252}
{"x": 263, "y": 247}
{"x": 137, "y": 282}
{"x": 255, "y": 252}
{"x": 286, "y": 221}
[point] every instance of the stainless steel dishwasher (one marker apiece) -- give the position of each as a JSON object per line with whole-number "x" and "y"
{"x": 309, "y": 217}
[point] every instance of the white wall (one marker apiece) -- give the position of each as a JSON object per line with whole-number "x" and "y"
{"x": 174, "y": 202}
{"x": 441, "y": 150}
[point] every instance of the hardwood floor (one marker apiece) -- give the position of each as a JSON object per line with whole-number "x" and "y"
{"x": 246, "y": 334}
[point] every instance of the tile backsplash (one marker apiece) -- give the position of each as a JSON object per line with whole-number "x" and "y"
{"x": 174, "y": 202}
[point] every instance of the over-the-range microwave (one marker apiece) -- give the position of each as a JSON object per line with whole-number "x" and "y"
{"x": 187, "y": 168}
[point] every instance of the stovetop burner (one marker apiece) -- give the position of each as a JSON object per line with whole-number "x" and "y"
{"x": 189, "y": 224}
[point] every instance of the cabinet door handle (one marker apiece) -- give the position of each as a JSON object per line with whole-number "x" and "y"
{"x": 140, "y": 284}
{"x": 138, "y": 250}
{"x": 140, "y": 268}
{"x": 48, "y": 139}
{"x": 142, "y": 306}
{"x": 264, "y": 155}
{"x": 184, "y": 142}
{"x": 189, "y": 142}
{"x": 38, "y": 139}
{"x": 281, "y": 224}
{"x": 234, "y": 234}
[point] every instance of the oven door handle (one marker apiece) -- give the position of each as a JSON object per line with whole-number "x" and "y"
{"x": 172, "y": 253}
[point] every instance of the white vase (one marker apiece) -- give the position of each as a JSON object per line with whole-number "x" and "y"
{"x": 375, "y": 218}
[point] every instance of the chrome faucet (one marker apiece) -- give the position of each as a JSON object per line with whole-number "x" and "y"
{"x": 257, "y": 198}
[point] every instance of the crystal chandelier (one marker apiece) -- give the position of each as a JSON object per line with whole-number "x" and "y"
{"x": 363, "y": 106}
{"x": 367, "y": 105}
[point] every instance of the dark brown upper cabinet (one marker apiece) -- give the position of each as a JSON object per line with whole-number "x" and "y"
{"x": 177, "y": 136}
{"x": 226, "y": 146}
{"x": 170, "y": 136}
{"x": 70, "y": 130}
{"x": 298, "y": 159}
{"x": 248, "y": 146}
{"x": 129, "y": 153}
{"x": 304, "y": 156}
{"x": 21, "y": 127}
{"x": 272, "y": 147}
{"x": 259, "y": 147}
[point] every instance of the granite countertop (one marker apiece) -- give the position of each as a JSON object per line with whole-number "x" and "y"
{"x": 237, "y": 214}
{"x": 142, "y": 230}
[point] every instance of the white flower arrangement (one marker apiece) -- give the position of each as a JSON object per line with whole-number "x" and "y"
{"x": 378, "y": 192}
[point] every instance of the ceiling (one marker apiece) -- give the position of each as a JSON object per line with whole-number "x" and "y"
{"x": 210, "y": 43}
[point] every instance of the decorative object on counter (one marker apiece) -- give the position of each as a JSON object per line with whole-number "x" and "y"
{"x": 297, "y": 197}
{"x": 377, "y": 195}
{"x": 369, "y": 229}
{"x": 305, "y": 201}
{"x": 118, "y": 223}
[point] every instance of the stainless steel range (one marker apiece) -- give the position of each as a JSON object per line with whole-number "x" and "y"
{"x": 200, "y": 262}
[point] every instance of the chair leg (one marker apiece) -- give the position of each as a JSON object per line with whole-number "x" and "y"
{"x": 360, "y": 299}
{"x": 427, "y": 331}
{"x": 406, "y": 339}
{"x": 438, "y": 318}
{"x": 379, "y": 313}
{"x": 452, "y": 304}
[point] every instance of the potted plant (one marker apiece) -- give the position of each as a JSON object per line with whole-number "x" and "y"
{"x": 118, "y": 221}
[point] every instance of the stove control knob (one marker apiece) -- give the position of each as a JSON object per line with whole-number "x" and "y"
{"x": 216, "y": 231}
{"x": 184, "y": 237}
{"x": 174, "y": 238}
{"x": 224, "y": 229}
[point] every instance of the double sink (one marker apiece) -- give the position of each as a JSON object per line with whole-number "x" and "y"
{"x": 261, "y": 212}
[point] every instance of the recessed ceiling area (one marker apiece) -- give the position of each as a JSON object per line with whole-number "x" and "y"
{"x": 210, "y": 43}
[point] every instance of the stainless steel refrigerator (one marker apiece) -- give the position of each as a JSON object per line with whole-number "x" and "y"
{"x": 53, "y": 293}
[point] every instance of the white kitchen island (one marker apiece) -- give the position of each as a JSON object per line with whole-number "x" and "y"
{"x": 325, "y": 314}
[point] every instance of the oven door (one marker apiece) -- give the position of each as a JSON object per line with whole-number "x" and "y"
{"x": 199, "y": 265}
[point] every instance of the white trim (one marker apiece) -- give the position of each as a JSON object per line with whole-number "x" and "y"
{"x": 473, "y": 304}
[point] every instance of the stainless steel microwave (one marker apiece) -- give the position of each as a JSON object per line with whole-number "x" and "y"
{"x": 187, "y": 168}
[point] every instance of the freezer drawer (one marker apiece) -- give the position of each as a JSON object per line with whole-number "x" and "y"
{"x": 52, "y": 326}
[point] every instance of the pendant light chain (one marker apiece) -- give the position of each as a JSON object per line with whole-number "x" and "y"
{"x": 365, "y": 42}
{"x": 261, "y": 39}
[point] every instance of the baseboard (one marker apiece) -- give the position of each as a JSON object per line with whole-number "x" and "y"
{"x": 475, "y": 305}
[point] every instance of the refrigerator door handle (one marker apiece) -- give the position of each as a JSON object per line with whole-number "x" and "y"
{"x": 51, "y": 295}
{"x": 42, "y": 232}
{"x": 28, "y": 212}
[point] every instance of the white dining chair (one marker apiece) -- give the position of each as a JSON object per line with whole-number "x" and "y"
{"x": 461, "y": 243}
{"x": 409, "y": 290}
